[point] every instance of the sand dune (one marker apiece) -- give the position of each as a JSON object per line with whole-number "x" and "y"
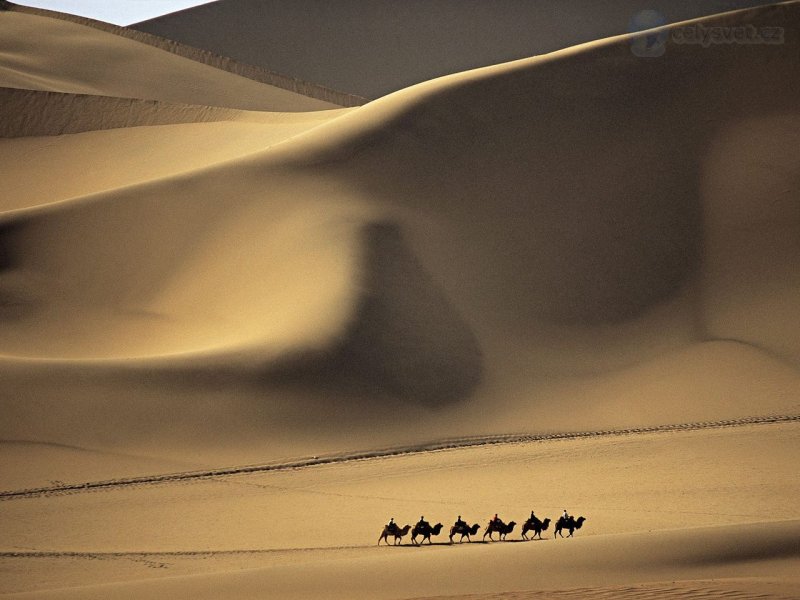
{"x": 298, "y": 531}
{"x": 31, "y": 113}
{"x": 381, "y": 195}
{"x": 579, "y": 241}
{"x": 29, "y": 464}
{"x": 63, "y": 59}
{"x": 376, "y": 48}
{"x": 149, "y": 152}
{"x": 584, "y": 564}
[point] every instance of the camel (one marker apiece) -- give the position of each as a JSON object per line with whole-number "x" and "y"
{"x": 571, "y": 524}
{"x": 536, "y": 526}
{"x": 426, "y": 531}
{"x": 500, "y": 528}
{"x": 397, "y": 532}
{"x": 464, "y": 530}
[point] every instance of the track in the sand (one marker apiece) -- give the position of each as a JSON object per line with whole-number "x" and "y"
{"x": 452, "y": 443}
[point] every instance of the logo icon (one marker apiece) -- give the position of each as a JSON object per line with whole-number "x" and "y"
{"x": 644, "y": 43}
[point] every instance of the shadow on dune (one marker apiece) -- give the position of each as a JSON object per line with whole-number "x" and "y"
{"x": 405, "y": 340}
{"x": 12, "y": 303}
{"x": 8, "y": 251}
{"x": 573, "y": 184}
{"x": 592, "y": 214}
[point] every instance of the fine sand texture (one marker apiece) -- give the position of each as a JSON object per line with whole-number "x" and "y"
{"x": 727, "y": 514}
{"x": 243, "y": 327}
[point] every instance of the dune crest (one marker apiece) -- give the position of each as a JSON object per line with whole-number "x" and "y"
{"x": 34, "y": 113}
{"x": 375, "y": 48}
{"x": 62, "y": 60}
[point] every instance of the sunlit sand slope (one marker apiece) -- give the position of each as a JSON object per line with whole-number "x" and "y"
{"x": 148, "y": 152}
{"x": 491, "y": 241}
{"x": 673, "y": 507}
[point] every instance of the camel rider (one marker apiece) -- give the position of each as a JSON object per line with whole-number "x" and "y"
{"x": 392, "y": 526}
{"x": 497, "y": 521}
{"x": 533, "y": 518}
{"x": 423, "y": 523}
{"x": 565, "y": 516}
{"x": 459, "y": 523}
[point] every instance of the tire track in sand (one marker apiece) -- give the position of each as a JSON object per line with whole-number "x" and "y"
{"x": 446, "y": 444}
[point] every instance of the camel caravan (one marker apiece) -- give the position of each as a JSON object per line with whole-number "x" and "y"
{"x": 423, "y": 530}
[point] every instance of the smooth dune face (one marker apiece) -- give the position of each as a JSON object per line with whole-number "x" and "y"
{"x": 583, "y": 241}
{"x": 40, "y": 53}
{"x": 149, "y": 152}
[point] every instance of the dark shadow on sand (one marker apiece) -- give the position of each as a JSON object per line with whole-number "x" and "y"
{"x": 405, "y": 341}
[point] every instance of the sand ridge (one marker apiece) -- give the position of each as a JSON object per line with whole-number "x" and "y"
{"x": 375, "y": 49}
{"x": 449, "y": 444}
{"x": 35, "y": 113}
{"x": 200, "y": 55}
{"x": 60, "y": 62}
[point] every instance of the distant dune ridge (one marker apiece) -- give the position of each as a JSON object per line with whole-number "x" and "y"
{"x": 30, "y": 113}
{"x": 373, "y": 48}
{"x": 155, "y": 68}
{"x": 208, "y": 273}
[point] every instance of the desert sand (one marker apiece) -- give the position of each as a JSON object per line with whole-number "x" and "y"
{"x": 373, "y": 48}
{"x": 243, "y": 327}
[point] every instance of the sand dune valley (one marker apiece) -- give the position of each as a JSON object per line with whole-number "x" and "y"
{"x": 249, "y": 313}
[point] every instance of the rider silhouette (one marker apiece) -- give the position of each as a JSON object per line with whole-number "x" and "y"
{"x": 423, "y": 522}
{"x": 392, "y": 526}
{"x": 460, "y": 523}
